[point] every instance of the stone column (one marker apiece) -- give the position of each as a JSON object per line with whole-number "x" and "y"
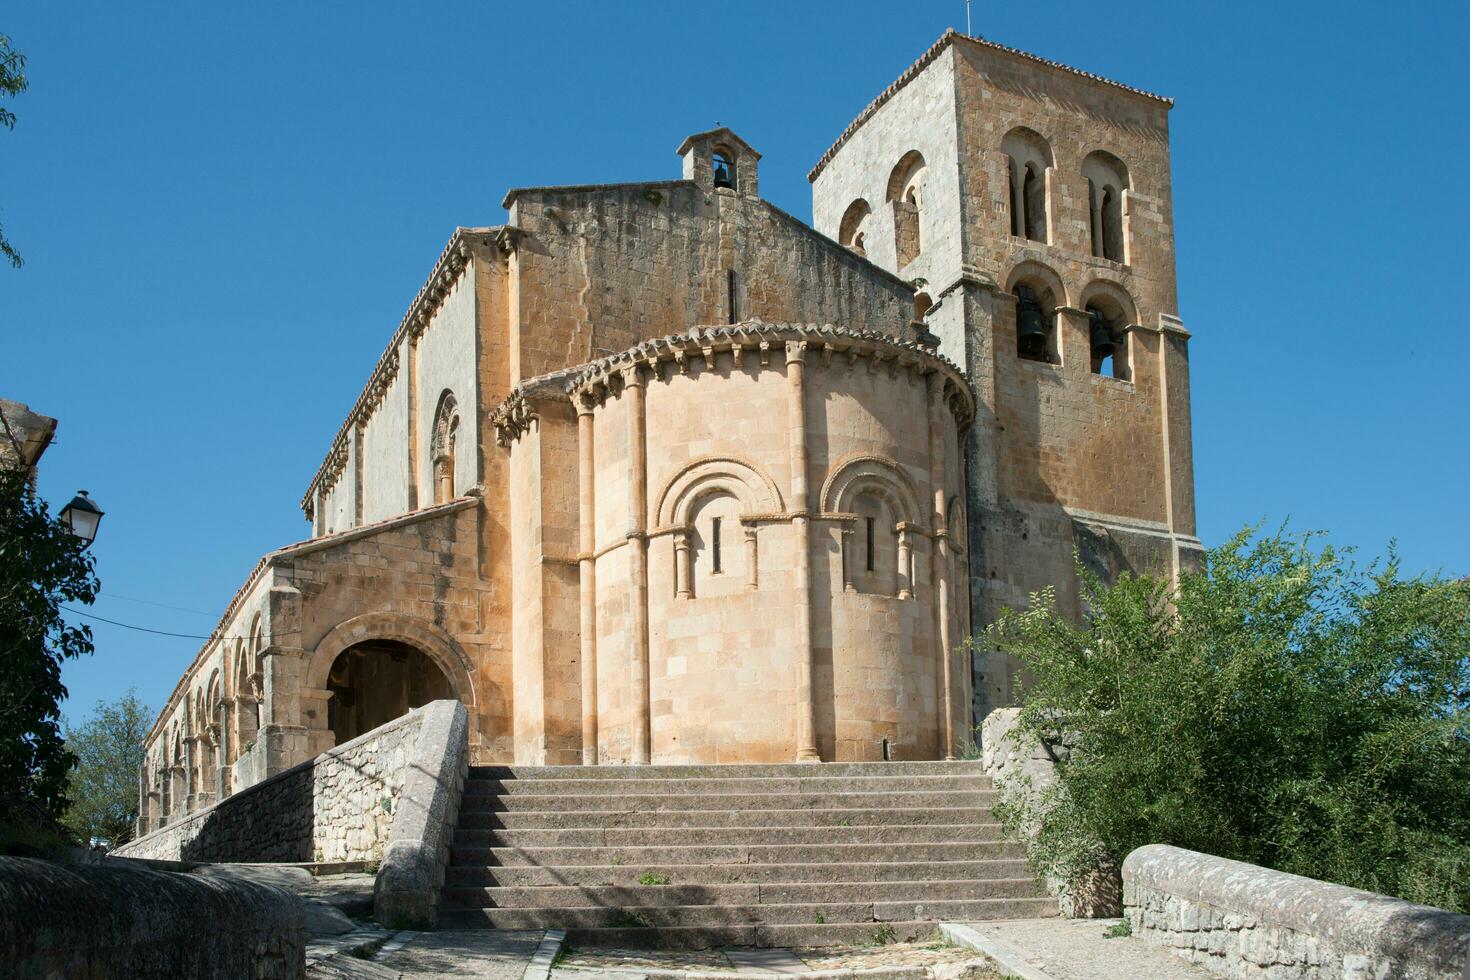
{"x": 683, "y": 587}
{"x": 905, "y": 577}
{"x": 222, "y": 759}
{"x": 752, "y": 554}
{"x": 638, "y": 563}
{"x": 587, "y": 568}
{"x": 806, "y": 708}
{"x": 940, "y": 521}
{"x": 1094, "y": 198}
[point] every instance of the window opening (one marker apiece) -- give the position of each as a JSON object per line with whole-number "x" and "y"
{"x": 714, "y": 534}
{"x": 871, "y": 525}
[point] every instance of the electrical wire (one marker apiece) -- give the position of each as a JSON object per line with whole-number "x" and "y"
{"x": 160, "y": 605}
{"x": 145, "y": 629}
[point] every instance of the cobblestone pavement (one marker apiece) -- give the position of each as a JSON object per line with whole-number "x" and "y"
{"x": 1077, "y": 949}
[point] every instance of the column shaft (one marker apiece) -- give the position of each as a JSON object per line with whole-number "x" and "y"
{"x": 638, "y": 564}
{"x": 806, "y": 709}
{"x": 587, "y": 578}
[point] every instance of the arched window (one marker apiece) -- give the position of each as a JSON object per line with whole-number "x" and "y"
{"x": 922, "y": 305}
{"x": 906, "y": 197}
{"x": 853, "y": 229}
{"x": 716, "y": 546}
{"x": 1036, "y": 322}
{"x": 724, "y": 166}
{"x": 443, "y": 446}
{"x": 874, "y": 557}
{"x": 1028, "y": 158}
{"x": 1107, "y": 181}
{"x": 1109, "y": 314}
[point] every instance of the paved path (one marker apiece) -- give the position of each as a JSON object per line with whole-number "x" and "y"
{"x": 482, "y": 954}
{"x": 1077, "y": 949}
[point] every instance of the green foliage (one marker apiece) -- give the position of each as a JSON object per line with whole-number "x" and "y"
{"x": 12, "y": 83}
{"x": 1118, "y": 930}
{"x": 1281, "y": 707}
{"x": 649, "y": 878}
{"x": 42, "y": 565}
{"x": 104, "y": 786}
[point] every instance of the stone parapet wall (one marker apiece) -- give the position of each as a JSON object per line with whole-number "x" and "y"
{"x": 339, "y": 806}
{"x": 1240, "y": 920}
{"x": 117, "y": 921}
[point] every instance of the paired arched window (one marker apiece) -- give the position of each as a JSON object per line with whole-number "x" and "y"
{"x": 1107, "y": 180}
{"x": 1028, "y": 158}
{"x": 443, "y": 445}
{"x": 906, "y": 197}
{"x": 853, "y": 230}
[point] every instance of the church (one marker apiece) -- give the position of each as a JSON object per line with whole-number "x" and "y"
{"x": 658, "y": 473}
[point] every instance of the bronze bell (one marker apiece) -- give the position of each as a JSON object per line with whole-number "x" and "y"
{"x": 722, "y": 174}
{"x": 1030, "y": 325}
{"x": 1101, "y": 335}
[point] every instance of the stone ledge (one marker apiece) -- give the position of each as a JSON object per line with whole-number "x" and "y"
{"x": 118, "y": 921}
{"x": 1171, "y": 891}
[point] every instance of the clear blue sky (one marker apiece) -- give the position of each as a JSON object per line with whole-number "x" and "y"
{"x": 226, "y": 208}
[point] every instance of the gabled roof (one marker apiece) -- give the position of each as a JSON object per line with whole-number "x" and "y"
{"x": 723, "y": 133}
{"x": 950, "y": 37}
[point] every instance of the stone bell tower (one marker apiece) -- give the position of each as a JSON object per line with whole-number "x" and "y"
{"x": 719, "y": 158}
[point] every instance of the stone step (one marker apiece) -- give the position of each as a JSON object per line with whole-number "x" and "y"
{"x": 489, "y": 802}
{"x": 613, "y": 896}
{"x": 562, "y": 857}
{"x": 674, "y": 916}
{"x": 797, "y": 770}
{"x": 717, "y": 874}
{"x": 485, "y": 819}
{"x": 728, "y": 786}
{"x": 691, "y": 836}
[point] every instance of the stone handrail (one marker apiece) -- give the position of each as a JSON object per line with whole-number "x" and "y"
{"x": 406, "y": 893}
{"x": 1239, "y": 920}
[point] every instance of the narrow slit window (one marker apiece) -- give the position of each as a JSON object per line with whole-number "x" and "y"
{"x": 714, "y": 537}
{"x": 871, "y": 525}
{"x": 730, "y": 293}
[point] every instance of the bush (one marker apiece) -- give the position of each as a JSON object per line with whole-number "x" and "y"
{"x": 1280, "y": 707}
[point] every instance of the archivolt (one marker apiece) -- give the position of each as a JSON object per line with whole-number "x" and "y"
{"x": 433, "y": 641}
{"x": 741, "y": 478}
{"x": 872, "y": 474}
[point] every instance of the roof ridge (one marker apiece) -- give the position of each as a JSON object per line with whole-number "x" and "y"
{"x": 925, "y": 59}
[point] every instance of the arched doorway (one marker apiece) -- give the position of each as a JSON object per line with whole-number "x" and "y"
{"x": 375, "y": 681}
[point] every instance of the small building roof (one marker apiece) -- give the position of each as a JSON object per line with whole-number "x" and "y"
{"x": 722, "y": 133}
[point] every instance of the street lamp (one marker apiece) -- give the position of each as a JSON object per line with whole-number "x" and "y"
{"x": 82, "y": 515}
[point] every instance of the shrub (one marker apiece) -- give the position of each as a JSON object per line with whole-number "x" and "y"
{"x": 1281, "y": 706}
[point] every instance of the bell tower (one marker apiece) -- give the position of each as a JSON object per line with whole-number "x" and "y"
{"x": 719, "y": 158}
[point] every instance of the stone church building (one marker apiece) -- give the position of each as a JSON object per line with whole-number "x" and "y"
{"x": 658, "y": 473}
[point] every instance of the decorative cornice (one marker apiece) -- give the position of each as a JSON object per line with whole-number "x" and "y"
{"x": 752, "y": 339}
{"x": 913, "y": 71}
{"x": 442, "y": 278}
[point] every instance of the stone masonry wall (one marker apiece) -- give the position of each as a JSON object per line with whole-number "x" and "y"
{"x": 336, "y": 807}
{"x": 1240, "y": 920}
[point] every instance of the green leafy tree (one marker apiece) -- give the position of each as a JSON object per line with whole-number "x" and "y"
{"x": 1281, "y": 707}
{"x": 42, "y": 566}
{"x": 12, "y": 83}
{"x": 103, "y": 788}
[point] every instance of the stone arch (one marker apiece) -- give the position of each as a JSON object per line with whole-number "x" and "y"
{"x": 1107, "y": 182}
{"x": 443, "y": 446}
{"x": 1029, "y": 157}
{"x": 431, "y": 640}
{"x": 905, "y": 195}
{"x": 741, "y": 478}
{"x": 1038, "y": 292}
{"x": 871, "y": 474}
{"x": 853, "y": 227}
{"x": 1110, "y": 311}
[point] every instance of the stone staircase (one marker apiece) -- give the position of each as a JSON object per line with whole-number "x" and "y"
{"x": 698, "y": 856}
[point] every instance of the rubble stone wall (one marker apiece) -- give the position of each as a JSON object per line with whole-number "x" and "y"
{"x": 336, "y": 807}
{"x": 1240, "y": 920}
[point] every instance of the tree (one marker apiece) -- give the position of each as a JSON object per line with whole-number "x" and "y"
{"x": 12, "y": 83}
{"x": 42, "y": 565}
{"x": 104, "y": 786}
{"x": 1281, "y": 707}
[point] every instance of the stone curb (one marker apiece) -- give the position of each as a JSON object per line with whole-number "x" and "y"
{"x": 1008, "y": 959}
{"x": 541, "y": 961}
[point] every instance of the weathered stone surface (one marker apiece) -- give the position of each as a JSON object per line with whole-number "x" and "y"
{"x": 406, "y": 893}
{"x": 93, "y": 922}
{"x": 1240, "y": 920}
{"x": 339, "y": 806}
